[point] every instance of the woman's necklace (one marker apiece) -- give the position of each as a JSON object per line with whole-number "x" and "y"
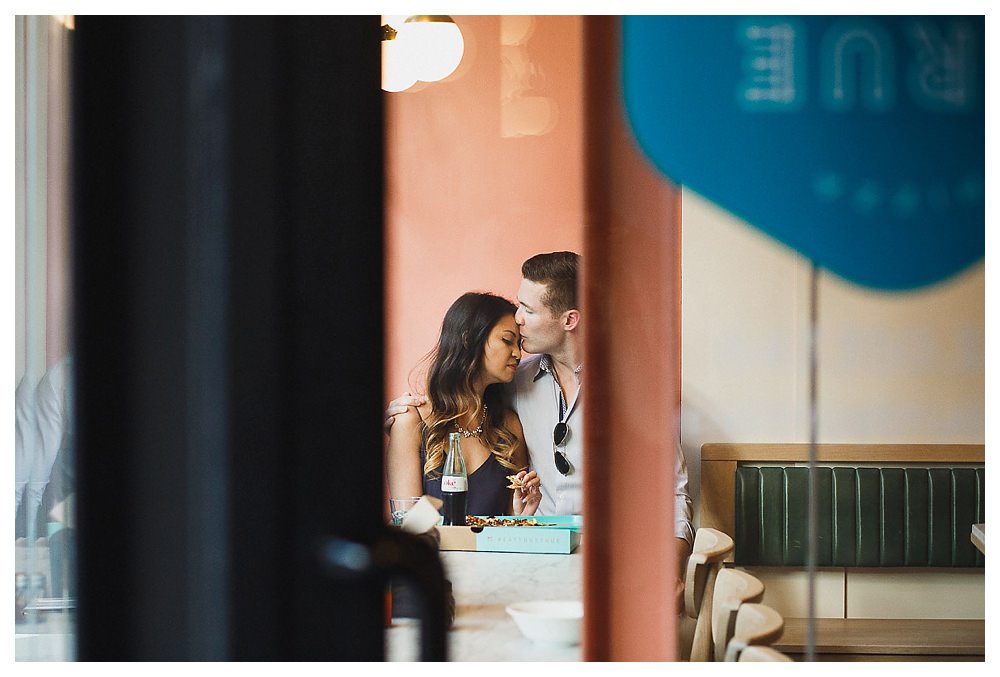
{"x": 479, "y": 429}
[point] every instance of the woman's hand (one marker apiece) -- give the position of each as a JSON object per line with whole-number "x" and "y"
{"x": 526, "y": 499}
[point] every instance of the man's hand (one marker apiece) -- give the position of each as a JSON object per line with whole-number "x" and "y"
{"x": 399, "y": 406}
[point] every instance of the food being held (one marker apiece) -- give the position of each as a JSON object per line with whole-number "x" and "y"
{"x": 515, "y": 482}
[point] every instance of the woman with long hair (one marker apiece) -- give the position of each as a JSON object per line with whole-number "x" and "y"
{"x": 477, "y": 352}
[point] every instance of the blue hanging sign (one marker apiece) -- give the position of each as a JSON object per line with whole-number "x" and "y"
{"x": 857, "y": 141}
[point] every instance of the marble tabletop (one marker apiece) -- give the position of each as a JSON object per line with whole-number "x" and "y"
{"x": 484, "y": 583}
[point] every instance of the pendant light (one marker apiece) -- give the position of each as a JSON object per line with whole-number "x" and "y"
{"x": 398, "y": 66}
{"x": 424, "y": 47}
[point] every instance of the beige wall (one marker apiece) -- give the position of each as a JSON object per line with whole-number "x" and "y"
{"x": 893, "y": 368}
{"x": 484, "y": 169}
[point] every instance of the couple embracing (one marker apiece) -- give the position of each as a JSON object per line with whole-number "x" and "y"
{"x": 519, "y": 415}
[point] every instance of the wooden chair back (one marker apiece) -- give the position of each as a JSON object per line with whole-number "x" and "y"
{"x": 733, "y": 588}
{"x": 756, "y": 625}
{"x": 711, "y": 547}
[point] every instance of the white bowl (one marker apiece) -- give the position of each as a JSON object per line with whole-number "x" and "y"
{"x": 549, "y": 622}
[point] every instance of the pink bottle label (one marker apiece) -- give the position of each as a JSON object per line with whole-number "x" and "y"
{"x": 452, "y": 484}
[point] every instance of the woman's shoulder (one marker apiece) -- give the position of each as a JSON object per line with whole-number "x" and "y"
{"x": 423, "y": 411}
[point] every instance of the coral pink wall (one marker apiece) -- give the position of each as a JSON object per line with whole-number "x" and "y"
{"x": 466, "y": 200}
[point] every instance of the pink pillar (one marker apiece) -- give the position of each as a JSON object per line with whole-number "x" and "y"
{"x": 631, "y": 302}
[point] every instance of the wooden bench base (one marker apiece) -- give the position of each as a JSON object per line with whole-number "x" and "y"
{"x": 896, "y": 637}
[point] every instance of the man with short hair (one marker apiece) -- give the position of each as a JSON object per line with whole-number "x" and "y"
{"x": 545, "y": 392}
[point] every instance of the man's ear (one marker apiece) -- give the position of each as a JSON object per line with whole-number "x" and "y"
{"x": 571, "y": 318}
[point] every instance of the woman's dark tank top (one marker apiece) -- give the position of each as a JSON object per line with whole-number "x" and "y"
{"x": 488, "y": 492}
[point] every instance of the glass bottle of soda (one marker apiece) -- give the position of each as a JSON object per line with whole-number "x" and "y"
{"x": 454, "y": 483}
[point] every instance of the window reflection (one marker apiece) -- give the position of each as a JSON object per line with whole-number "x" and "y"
{"x": 44, "y": 482}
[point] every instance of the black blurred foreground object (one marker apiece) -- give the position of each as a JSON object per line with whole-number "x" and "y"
{"x": 406, "y": 601}
{"x": 228, "y": 204}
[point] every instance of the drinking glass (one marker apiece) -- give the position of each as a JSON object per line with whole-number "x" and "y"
{"x": 398, "y": 507}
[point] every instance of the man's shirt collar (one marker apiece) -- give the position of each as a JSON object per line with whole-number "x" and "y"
{"x": 545, "y": 366}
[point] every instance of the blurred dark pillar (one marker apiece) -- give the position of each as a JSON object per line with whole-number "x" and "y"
{"x": 228, "y": 286}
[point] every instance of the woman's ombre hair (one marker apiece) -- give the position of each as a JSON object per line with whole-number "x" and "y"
{"x": 456, "y": 363}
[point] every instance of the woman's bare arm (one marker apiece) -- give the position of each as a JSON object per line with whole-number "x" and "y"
{"x": 403, "y": 456}
{"x": 525, "y": 500}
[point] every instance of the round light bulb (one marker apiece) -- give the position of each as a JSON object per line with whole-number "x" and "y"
{"x": 441, "y": 46}
{"x": 398, "y": 67}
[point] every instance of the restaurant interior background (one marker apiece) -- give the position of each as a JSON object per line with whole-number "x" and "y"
{"x": 474, "y": 184}
{"x": 895, "y": 368}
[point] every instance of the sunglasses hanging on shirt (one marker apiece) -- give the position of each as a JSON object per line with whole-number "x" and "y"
{"x": 559, "y": 435}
